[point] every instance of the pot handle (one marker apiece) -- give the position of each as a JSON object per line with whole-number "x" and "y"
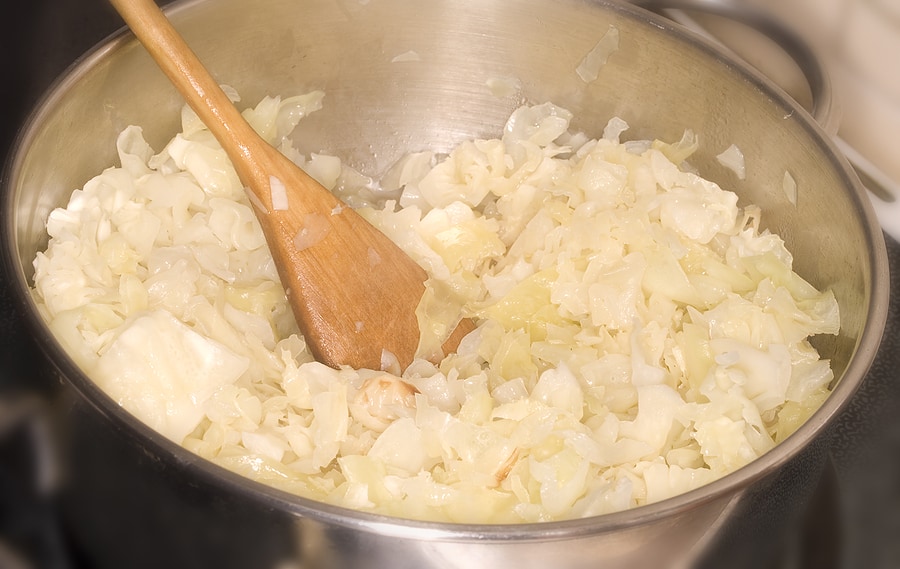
{"x": 32, "y": 477}
{"x": 28, "y": 416}
{"x": 883, "y": 192}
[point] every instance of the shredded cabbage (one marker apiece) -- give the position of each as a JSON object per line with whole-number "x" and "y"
{"x": 637, "y": 335}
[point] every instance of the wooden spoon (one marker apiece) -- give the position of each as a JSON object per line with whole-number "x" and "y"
{"x": 352, "y": 290}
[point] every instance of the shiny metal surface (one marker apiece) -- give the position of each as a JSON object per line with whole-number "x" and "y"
{"x": 661, "y": 80}
{"x": 822, "y": 105}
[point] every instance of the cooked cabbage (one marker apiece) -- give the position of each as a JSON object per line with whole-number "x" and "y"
{"x": 637, "y": 334}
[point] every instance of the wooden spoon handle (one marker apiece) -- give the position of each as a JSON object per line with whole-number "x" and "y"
{"x": 246, "y": 149}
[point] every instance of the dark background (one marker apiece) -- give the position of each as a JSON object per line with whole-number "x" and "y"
{"x": 39, "y": 39}
{"x": 859, "y": 510}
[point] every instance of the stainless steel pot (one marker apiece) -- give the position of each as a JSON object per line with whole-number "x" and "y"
{"x": 138, "y": 500}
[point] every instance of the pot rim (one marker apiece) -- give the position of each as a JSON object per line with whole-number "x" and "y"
{"x": 727, "y": 486}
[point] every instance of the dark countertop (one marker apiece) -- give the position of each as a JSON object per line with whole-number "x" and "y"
{"x": 49, "y": 35}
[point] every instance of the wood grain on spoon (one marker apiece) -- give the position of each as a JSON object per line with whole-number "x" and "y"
{"x": 353, "y": 291}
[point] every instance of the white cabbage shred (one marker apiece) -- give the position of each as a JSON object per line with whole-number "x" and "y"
{"x": 589, "y": 67}
{"x": 637, "y": 336}
{"x": 733, "y": 159}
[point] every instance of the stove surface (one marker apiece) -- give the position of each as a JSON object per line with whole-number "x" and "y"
{"x": 853, "y": 522}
